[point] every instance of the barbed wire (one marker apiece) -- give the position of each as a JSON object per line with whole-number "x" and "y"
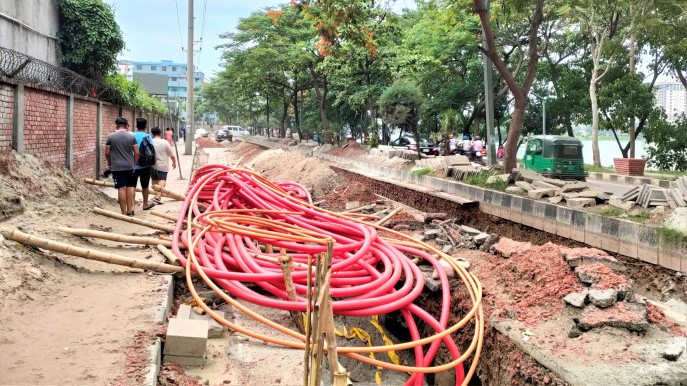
{"x": 23, "y": 68}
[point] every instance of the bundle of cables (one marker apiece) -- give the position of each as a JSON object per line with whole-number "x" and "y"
{"x": 234, "y": 214}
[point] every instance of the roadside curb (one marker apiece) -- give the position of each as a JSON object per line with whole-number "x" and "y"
{"x": 155, "y": 348}
{"x": 629, "y": 180}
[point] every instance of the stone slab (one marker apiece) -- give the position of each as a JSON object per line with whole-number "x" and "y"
{"x": 186, "y": 337}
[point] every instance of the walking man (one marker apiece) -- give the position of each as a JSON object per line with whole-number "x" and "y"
{"x": 169, "y": 136}
{"x": 163, "y": 153}
{"x": 142, "y": 172}
{"x": 121, "y": 152}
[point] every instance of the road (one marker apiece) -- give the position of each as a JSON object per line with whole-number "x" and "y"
{"x": 616, "y": 189}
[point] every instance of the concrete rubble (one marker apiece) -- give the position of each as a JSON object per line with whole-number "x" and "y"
{"x": 576, "y": 194}
{"x": 648, "y": 195}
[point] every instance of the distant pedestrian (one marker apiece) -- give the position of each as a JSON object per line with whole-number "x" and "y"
{"x": 142, "y": 172}
{"x": 182, "y": 133}
{"x": 451, "y": 144}
{"x": 169, "y": 136}
{"x": 121, "y": 152}
{"x": 499, "y": 152}
{"x": 163, "y": 153}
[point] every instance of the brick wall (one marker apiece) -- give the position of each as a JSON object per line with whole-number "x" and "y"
{"x": 110, "y": 114}
{"x": 85, "y": 123}
{"x": 6, "y": 116}
{"x": 45, "y": 125}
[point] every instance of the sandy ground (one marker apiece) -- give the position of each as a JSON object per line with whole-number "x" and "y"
{"x": 67, "y": 320}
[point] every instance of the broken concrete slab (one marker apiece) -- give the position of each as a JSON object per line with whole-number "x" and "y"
{"x": 497, "y": 178}
{"x": 543, "y": 185}
{"x": 673, "y": 350}
{"x": 493, "y": 239}
{"x": 573, "y": 188}
{"x": 576, "y": 299}
{"x": 469, "y": 230}
{"x": 603, "y": 298}
{"x": 431, "y": 234}
{"x": 631, "y": 316}
{"x": 186, "y": 337}
{"x": 555, "y": 182}
{"x": 555, "y": 199}
{"x": 540, "y": 193}
{"x": 524, "y": 185}
{"x": 481, "y": 238}
{"x": 352, "y": 205}
{"x": 457, "y": 160}
{"x": 578, "y": 203}
{"x": 619, "y": 203}
{"x": 576, "y": 257}
{"x": 515, "y": 190}
{"x": 447, "y": 249}
{"x": 419, "y": 237}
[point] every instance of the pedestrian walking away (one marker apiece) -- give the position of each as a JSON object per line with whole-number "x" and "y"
{"x": 182, "y": 133}
{"x": 163, "y": 153}
{"x": 169, "y": 136}
{"x": 121, "y": 152}
{"x": 142, "y": 169}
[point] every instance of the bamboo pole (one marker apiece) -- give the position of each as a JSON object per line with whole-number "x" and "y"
{"x": 321, "y": 286}
{"x": 389, "y": 216}
{"x": 360, "y": 208}
{"x": 115, "y": 236}
{"x": 169, "y": 193}
{"x": 102, "y": 183}
{"x": 110, "y": 258}
{"x": 285, "y": 263}
{"x": 133, "y": 220}
{"x": 170, "y": 217}
{"x": 172, "y": 258}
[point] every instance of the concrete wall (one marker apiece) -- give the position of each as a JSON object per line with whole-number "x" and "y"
{"x": 611, "y": 234}
{"x": 35, "y": 30}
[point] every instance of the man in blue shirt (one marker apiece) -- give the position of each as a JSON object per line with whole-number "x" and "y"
{"x": 139, "y": 172}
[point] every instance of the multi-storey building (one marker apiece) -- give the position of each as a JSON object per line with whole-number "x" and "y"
{"x": 672, "y": 98}
{"x": 176, "y": 72}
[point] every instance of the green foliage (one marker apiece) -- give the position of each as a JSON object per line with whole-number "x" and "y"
{"x": 640, "y": 217}
{"x": 89, "y": 37}
{"x": 671, "y": 237}
{"x": 480, "y": 179}
{"x": 131, "y": 94}
{"x": 612, "y": 211}
{"x": 400, "y": 105}
{"x": 423, "y": 171}
{"x": 373, "y": 141}
{"x": 668, "y": 141}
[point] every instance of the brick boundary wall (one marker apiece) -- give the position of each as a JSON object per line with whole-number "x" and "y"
{"x": 45, "y": 129}
{"x": 6, "y": 116}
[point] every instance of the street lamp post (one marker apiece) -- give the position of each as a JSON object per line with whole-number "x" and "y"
{"x": 543, "y": 112}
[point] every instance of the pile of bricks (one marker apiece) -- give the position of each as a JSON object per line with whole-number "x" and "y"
{"x": 187, "y": 336}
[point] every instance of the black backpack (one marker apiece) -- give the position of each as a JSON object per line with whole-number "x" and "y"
{"x": 146, "y": 153}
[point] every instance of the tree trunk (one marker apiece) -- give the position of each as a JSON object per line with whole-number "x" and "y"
{"x": 595, "y": 120}
{"x": 284, "y": 115}
{"x": 296, "y": 115}
{"x": 510, "y": 150}
{"x": 321, "y": 90}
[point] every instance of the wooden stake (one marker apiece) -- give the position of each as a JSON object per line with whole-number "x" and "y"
{"x": 102, "y": 183}
{"x": 134, "y": 220}
{"x": 389, "y": 216}
{"x": 308, "y": 326}
{"x": 285, "y": 263}
{"x": 110, "y": 258}
{"x": 115, "y": 236}
{"x": 169, "y": 193}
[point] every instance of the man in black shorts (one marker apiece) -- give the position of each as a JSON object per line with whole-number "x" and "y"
{"x": 142, "y": 172}
{"x": 121, "y": 152}
{"x": 163, "y": 153}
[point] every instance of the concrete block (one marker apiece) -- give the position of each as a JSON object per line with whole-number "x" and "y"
{"x": 592, "y": 239}
{"x": 184, "y": 360}
{"x": 610, "y": 244}
{"x": 515, "y": 190}
{"x": 563, "y": 230}
{"x": 550, "y": 226}
{"x": 628, "y": 249}
{"x": 647, "y": 253}
{"x": 215, "y": 330}
{"x": 184, "y": 312}
{"x": 538, "y": 223}
{"x": 516, "y": 216}
{"x": 670, "y": 258}
{"x": 186, "y": 337}
{"x": 352, "y": 204}
{"x": 578, "y": 203}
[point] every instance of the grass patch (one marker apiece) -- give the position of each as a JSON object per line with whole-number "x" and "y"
{"x": 672, "y": 237}
{"x": 612, "y": 211}
{"x": 598, "y": 169}
{"x": 421, "y": 171}
{"x": 480, "y": 180}
{"x": 640, "y": 217}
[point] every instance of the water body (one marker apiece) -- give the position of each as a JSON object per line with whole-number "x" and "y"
{"x": 608, "y": 149}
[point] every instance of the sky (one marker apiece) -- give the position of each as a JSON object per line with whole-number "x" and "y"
{"x": 151, "y": 28}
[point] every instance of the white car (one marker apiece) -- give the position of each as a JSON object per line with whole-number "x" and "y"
{"x": 200, "y": 132}
{"x": 237, "y": 131}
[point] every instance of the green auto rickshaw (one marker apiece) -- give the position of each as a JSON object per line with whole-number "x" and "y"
{"x": 555, "y": 156}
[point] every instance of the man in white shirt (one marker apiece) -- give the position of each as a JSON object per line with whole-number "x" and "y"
{"x": 163, "y": 153}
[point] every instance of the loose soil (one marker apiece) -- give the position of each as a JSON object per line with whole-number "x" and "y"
{"x": 66, "y": 320}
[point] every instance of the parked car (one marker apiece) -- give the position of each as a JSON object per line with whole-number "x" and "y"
{"x": 236, "y": 131}
{"x": 200, "y": 132}
{"x": 427, "y": 146}
{"x": 223, "y": 135}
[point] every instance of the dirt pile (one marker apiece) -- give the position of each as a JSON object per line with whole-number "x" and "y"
{"x": 279, "y": 165}
{"x": 204, "y": 143}
{"x": 245, "y": 151}
{"x": 47, "y": 189}
{"x": 351, "y": 149}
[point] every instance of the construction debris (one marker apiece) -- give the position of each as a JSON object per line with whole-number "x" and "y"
{"x": 648, "y": 195}
{"x": 576, "y": 194}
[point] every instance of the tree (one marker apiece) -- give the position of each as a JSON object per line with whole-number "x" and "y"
{"x": 400, "y": 105}
{"x": 89, "y": 37}
{"x": 669, "y": 143}
{"x": 519, "y": 91}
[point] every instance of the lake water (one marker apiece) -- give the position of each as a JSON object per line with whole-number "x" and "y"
{"x": 608, "y": 149}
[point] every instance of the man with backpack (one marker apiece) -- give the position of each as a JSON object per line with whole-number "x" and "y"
{"x": 146, "y": 159}
{"x": 121, "y": 152}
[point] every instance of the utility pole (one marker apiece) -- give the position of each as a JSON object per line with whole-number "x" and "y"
{"x": 489, "y": 99}
{"x": 543, "y": 115}
{"x": 190, "y": 128}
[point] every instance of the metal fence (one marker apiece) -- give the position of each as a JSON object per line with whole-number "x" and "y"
{"x": 23, "y": 68}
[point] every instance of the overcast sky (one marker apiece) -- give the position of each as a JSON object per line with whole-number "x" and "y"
{"x": 152, "y": 30}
